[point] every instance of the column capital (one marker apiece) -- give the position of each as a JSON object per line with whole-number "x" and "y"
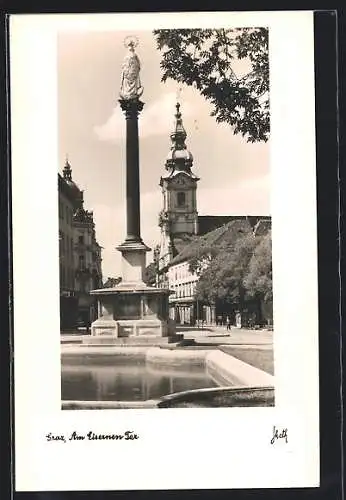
{"x": 131, "y": 107}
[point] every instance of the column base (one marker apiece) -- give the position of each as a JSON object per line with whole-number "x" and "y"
{"x": 133, "y": 311}
{"x": 104, "y": 327}
{"x": 131, "y": 328}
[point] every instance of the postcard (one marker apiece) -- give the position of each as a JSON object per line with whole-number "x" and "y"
{"x": 164, "y": 251}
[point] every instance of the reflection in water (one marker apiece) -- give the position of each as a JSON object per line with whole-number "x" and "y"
{"x": 136, "y": 382}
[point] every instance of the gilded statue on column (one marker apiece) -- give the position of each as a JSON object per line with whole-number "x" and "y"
{"x": 131, "y": 87}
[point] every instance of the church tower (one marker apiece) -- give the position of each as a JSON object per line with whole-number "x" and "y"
{"x": 178, "y": 217}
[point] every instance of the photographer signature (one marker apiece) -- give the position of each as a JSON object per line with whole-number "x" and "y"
{"x": 278, "y": 435}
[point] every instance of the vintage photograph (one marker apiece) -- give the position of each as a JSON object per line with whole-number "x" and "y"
{"x": 164, "y": 251}
{"x": 165, "y": 241}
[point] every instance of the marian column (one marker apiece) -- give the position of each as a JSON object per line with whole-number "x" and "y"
{"x": 132, "y": 309}
{"x": 133, "y": 249}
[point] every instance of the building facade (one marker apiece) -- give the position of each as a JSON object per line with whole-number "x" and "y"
{"x": 68, "y": 299}
{"x": 79, "y": 255}
{"x": 87, "y": 259}
{"x": 181, "y": 228}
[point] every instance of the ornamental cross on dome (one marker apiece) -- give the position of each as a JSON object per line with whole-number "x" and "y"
{"x": 179, "y": 135}
{"x": 131, "y": 87}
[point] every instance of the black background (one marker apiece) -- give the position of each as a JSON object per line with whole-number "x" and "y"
{"x": 329, "y": 90}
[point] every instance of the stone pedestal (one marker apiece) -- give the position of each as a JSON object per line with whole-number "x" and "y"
{"x": 132, "y": 310}
{"x": 133, "y": 261}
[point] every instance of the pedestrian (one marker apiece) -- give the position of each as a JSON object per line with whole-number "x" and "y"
{"x": 228, "y": 323}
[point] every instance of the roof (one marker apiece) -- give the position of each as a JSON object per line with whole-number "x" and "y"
{"x": 262, "y": 227}
{"x": 222, "y": 233}
{"x": 173, "y": 172}
{"x": 179, "y": 242}
{"x": 207, "y": 223}
{"x": 66, "y": 190}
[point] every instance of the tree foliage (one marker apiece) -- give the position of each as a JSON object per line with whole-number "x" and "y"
{"x": 258, "y": 281}
{"x": 202, "y": 258}
{"x": 238, "y": 271}
{"x": 149, "y": 277}
{"x": 203, "y": 58}
{"x": 223, "y": 279}
{"x": 205, "y": 248}
{"x": 112, "y": 282}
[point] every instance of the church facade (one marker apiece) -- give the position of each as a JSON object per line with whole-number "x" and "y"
{"x": 181, "y": 227}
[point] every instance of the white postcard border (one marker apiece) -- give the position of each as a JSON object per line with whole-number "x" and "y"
{"x": 177, "y": 449}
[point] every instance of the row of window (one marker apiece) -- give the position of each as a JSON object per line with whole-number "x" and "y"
{"x": 65, "y": 245}
{"x": 66, "y": 277}
{"x": 67, "y": 280}
{"x": 65, "y": 212}
{"x": 180, "y": 273}
{"x": 81, "y": 241}
{"x": 184, "y": 289}
{"x": 82, "y": 260}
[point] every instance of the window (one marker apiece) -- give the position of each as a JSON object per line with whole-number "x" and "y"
{"x": 81, "y": 239}
{"x": 81, "y": 262}
{"x": 62, "y": 243}
{"x": 181, "y": 199}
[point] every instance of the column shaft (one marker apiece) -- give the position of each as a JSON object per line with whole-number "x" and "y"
{"x": 132, "y": 179}
{"x": 132, "y": 108}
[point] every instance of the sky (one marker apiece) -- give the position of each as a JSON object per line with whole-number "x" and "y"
{"x": 234, "y": 174}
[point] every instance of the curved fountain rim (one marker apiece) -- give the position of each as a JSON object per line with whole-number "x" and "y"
{"x": 154, "y": 403}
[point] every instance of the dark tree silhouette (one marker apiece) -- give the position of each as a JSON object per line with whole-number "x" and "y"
{"x": 149, "y": 277}
{"x": 203, "y": 58}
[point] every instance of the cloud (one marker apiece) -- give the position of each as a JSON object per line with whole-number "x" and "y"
{"x": 156, "y": 119}
{"x": 248, "y": 197}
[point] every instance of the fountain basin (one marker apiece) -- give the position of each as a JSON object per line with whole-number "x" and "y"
{"x": 99, "y": 377}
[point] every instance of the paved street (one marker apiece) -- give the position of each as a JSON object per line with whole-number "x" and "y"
{"x": 209, "y": 335}
{"x": 219, "y": 335}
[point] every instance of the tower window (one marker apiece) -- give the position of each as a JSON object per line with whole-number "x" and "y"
{"x": 181, "y": 199}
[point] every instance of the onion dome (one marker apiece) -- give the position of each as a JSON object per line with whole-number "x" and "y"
{"x": 179, "y": 156}
{"x": 67, "y": 175}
